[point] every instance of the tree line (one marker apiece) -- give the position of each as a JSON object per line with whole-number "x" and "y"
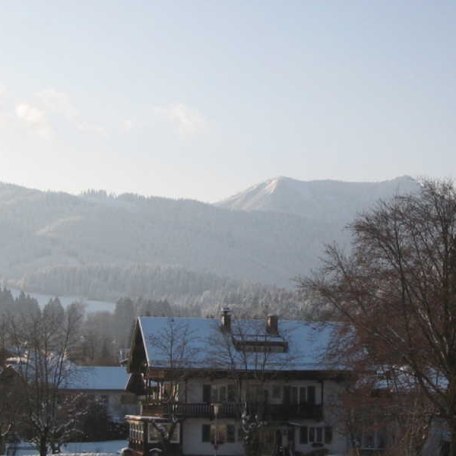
{"x": 190, "y": 292}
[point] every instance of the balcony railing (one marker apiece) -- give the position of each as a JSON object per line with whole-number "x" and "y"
{"x": 266, "y": 412}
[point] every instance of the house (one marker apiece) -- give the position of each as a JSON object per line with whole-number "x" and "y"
{"x": 106, "y": 384}
{"x": 233, "y": 386}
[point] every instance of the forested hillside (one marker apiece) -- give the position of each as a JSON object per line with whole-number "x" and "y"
{"x": 189, "y": 293}
{"x": 106, "y": 246}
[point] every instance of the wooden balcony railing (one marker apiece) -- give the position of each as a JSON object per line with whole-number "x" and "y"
{"x": 266, "y": 412}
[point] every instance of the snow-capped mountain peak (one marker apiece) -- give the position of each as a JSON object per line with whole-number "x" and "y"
{"x": 319, "y": 198}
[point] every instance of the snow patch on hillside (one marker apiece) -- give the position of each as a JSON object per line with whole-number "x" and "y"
{"x": 319, "y": 199}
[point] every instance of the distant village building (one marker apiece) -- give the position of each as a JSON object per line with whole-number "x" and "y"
{"x": 231, "y": 387}
{"x": 105, "y": 384}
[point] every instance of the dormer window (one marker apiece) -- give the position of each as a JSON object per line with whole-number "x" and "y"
{"x": 260, "y": 344}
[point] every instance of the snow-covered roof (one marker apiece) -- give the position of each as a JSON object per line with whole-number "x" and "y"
{"x": 200, "y": 343}
{"x": 97, "y": 378}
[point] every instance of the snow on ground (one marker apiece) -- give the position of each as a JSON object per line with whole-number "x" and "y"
{"x": 112, "y": 446}
{"x": 77, "y": 448}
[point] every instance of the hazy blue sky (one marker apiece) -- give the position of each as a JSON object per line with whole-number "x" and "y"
{"x": 200, "y": 99}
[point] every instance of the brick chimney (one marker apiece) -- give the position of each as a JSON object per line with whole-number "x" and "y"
{"x": 225, "y": 319}
{"x": 272, "y": 325}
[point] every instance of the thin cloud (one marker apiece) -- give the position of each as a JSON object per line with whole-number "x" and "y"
{"x": 57, "y": 102}
{"x": 35, "y": 119}
{"x": 187, "y": 121}
{"x": 128, "y": 125}
{"x": 91, "y": 128}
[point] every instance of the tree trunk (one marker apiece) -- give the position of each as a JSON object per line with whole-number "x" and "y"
{"x": 252, "y": 444}
{"x": 452, "y": 451}
{"x": 43, "y": 443}
{"x": 2, "y": 444}
{"x": 166, "y": 447}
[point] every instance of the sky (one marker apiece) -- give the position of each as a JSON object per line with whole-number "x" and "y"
{"x": 201, "y": 99}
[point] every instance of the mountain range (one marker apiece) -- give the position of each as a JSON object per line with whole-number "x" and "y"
{"x": 268, "y": 234}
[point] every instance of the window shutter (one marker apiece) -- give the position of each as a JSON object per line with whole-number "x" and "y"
{"x": 207, "y": 394}
{"x": 222, "y": 394}
{"x": 302, "y": 395}
{"x": 328, "y": 434}
{"x": 312, "y": 434}
{"x": 286, "y": 395}
{"x": 294, "y": 395}
{"x": 231, "y": 393}
{"x": 206, "y": 433}
{"x": 311, "y": 395}
{"x": 303, "y": 438}
{"x": 230, "y": 433}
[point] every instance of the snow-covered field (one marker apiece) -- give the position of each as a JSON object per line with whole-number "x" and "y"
{"x": 77, "y": 448}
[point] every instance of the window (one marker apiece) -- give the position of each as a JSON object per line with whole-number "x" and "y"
{"x": 207, "y": 393}
{"x": 154, "y": 433}
{"x": 290, "y": 395}
{"x": 170, "y": 391}
{"x": 206, "y": 434}
{"x": 311, "y": 394}
{"x": 261, "y": 346}
{"x": 126, "y": 399}
{"x": 294, "y": 395}
{"x": 255, "y": 393}
{"x": 136, "y": 432}
{"x": 328, "y": 434}
{"x": 374, "y": 439}
{"x": 231, "y": 393}
{"x": 315, "y": 434}
{"x": 219, "y": 393}
{"x": 303, "y": 435}
{"x": 276, "y": 392}
{"x": 312, "y": 434}
{"x": 230, "y": 433}
{"x": 220, "y": 434}
{"x": 307, "y": 395}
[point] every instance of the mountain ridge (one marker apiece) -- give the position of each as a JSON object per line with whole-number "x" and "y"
{"x": 272, "y": 245}
{"x": 292, "y": 196}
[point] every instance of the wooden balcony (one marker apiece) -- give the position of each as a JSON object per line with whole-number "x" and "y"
{"x": 266, "y": 412}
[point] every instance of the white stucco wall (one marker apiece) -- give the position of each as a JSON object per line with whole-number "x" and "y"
{"x": 195, "y": 388}
{"x": 192, "y": 427}
{"x": 193, "y": 444}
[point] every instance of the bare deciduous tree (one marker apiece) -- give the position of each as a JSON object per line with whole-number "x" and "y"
{"x": 43, "y": 342}
{"x": 252, "y": 357}
{"x": 11, "y": 403}
{"x": 174, "y": 345}
{"x": 397, "y": 290}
